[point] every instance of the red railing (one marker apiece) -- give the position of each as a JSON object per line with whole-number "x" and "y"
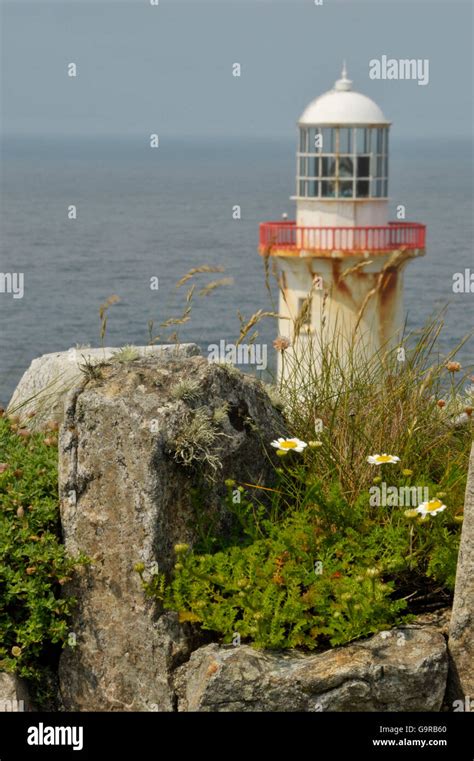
{"x": 286, "y": 235}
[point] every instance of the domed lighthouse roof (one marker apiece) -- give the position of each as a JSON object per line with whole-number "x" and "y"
{"x": 342, "y": 105}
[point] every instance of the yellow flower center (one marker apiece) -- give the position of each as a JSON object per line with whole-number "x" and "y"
{"x": 384, "y": 458}
{"x": 288, "y": 444}
{"x": 433, "y": 504}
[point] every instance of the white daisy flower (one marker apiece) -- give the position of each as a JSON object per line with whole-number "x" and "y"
{"x": 285, "y": 445}
{"x": 382, "y": 459}
{"x": 432, "y": 507}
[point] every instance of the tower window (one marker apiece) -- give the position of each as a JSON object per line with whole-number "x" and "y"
{"x": 346, "y": 189}
{"x": 351, "y": 162}
{"x": 346, "y": 166}
{"x": 363, "y": 166}
{"x": 313, "y": 167}
{"x": 328, "y": 139}
{"x": 328, "y": 166}
{"x": 328, "y": 189}
{"x": 345, "y": 140}
{"x": 362, "y": 140}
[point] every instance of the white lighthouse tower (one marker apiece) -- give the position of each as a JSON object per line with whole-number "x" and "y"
{"x": 341, "y": 262}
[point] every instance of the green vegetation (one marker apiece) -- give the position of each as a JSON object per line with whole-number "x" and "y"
{"x": 185, "y": 390}
{"x": 33, "y": 562}
{"x": 403, "y": 401}
{"x": 321, "y": 557}
{"x": 126, "y": 354}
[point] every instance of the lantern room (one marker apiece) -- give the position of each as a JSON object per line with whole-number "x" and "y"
{"x": 343, "y": 162}
{"x": 342, "y": 159}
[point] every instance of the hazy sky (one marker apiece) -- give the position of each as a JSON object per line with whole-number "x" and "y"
{"x": 168, "y": 69}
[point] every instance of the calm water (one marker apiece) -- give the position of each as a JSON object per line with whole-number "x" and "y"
{"x": 145, "y": 213}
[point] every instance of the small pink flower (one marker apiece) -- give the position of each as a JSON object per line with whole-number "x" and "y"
{"x": 281, "y": 343}
{"x": 453, "y": 367}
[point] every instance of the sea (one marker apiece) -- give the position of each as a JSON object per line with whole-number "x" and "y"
{"x": 151, "y": 214}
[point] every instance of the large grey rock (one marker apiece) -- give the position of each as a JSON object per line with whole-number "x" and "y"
{"x": 461, "y": 632}
{"x": 49, "y": 378}
{"x": 401, "y": 670}
{"x": 14, "y": 695}
{"x": 134, "y": 444}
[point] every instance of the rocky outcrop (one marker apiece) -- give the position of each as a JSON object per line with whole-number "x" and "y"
{"x": 49, "y": 378}
{"x": 145, "y": 447}
{"x": 14, "y": 695}
{"x": 461, "y": 632}
{"x": 401, "y": 670}
{"x": 143, "y": 454}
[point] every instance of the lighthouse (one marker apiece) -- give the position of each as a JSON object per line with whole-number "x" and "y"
{"x": 340, "y": 263}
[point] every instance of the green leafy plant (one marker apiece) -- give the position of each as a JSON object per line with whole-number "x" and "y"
{"x": 319, "y": 574}
{"x": 34, "y": 565}
{"x": 284, "y": 586}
